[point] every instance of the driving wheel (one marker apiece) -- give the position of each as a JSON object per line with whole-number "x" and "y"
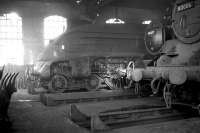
{"x": 58, "y": 83}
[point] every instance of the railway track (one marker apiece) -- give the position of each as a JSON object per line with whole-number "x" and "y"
{"x": 112, "y": 119}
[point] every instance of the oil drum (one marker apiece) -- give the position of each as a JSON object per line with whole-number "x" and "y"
{"x": 186, "y": 20}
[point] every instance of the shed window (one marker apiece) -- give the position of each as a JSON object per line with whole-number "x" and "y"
{"x": 11, "y": 47}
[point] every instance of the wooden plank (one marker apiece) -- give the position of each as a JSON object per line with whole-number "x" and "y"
{"x": 76, "y": 97}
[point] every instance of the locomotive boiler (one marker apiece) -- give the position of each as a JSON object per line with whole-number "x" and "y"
{"x": 175, "y": 71}
{"x": 89, "y": 57}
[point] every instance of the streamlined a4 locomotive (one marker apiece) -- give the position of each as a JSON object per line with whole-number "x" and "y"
{"x": 89, "y": 57}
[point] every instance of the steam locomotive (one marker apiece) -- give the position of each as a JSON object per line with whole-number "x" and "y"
{"x": 89, "y": 57}
{"x": 174, "y": 73}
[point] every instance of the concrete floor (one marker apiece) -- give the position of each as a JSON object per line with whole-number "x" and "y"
{"x": 34, "y": 117}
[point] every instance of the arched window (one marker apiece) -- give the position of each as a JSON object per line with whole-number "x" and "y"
{"x": 11, "y": 47}
{"x": 53, "y": 27}
{"x": 114, "y": 21}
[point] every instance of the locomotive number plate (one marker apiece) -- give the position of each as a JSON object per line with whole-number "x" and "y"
{"x": 185, "y": 6}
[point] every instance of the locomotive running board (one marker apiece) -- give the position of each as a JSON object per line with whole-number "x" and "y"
{"x": 78, "y": 97}
{"x": 118, "y": 119}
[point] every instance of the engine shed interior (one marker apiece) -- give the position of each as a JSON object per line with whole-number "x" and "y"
{"x": 84, "y": 66}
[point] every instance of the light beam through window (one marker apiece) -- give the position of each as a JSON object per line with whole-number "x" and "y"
{"x": 53, "y": 27}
